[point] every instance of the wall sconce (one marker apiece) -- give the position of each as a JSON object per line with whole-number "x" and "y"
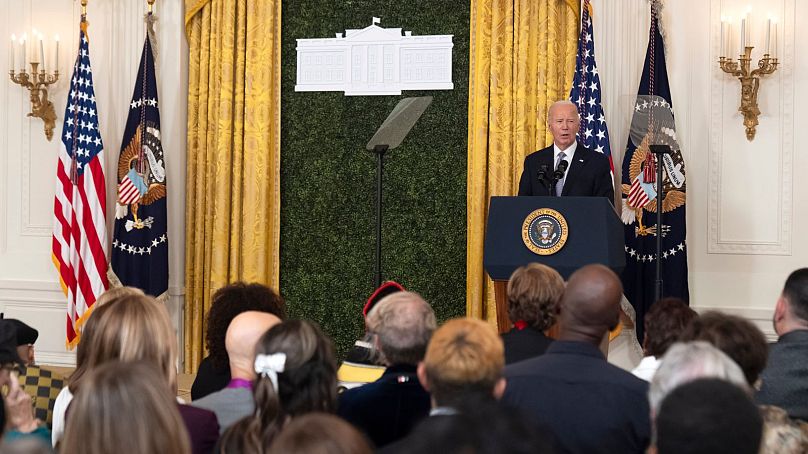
{"x": 749, "y": 78}
{"x": 37, "y": 81}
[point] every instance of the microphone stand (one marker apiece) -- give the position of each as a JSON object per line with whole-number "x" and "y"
{"x": 542, "y": 174}
{"x": 659, "y": 151}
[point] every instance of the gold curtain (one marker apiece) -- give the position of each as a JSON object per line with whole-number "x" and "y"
{"x": 522, "y": 60}
{"x": 233, "y": 172}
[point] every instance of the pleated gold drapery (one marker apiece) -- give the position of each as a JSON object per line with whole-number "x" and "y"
{"x": 522, "y": 60}
{"x": 233, "y": 171}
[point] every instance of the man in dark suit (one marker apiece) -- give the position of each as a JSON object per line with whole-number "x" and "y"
{"x": 591, "y": 406}
{"x": 785, "y": 378}
{"x": 588, "y": 172}
{"x": 387, "y": 409}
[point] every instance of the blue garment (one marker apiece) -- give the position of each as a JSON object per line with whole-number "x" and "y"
{"x": 590, "y": 405}
{"x": 387, "y": 409}
{"x": 785, "y": 378}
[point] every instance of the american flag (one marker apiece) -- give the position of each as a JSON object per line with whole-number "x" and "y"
{"x": 640, "y": 192}
{"x": 585, "y": 92}
{"x": 80, "y": 205}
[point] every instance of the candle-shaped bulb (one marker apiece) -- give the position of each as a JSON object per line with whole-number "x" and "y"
{"x": 56, "y": 63}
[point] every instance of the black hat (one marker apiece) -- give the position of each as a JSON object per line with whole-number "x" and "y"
{"x": 8, "y": 343}
{"x": 25, "y": 334}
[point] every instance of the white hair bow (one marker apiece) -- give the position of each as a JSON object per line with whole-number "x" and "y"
{"x": 270, "y": 366}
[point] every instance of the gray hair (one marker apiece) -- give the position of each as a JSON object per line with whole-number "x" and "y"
{"x": 402, "y": 324}
{"x": 561, "y": 102}
{"x": 688, "y": 361}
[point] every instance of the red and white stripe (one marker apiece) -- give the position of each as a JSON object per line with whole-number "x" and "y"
{"x": 637, "y": 197}
{"x": 127, "y": 192}
{"x": 80, "y": 238}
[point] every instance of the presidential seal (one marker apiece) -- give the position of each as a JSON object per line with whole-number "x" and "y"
{"x": 544, "y": 231}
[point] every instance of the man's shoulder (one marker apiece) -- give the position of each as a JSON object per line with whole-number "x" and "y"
{"x": 226, "y": 395}
{"x": 537, "y": 154}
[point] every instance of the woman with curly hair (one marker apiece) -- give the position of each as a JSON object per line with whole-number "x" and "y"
{"x": 534, "y": 291}
{"x": 228, "y": 302}
{"x": 297, "y": 374}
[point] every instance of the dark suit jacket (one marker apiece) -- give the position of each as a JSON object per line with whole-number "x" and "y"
{"x": 387, "y": 409}
{"x": 591, "y": 406}
{"x": 785, "y": 378}
{"x": 203, "y": 428}
{"x": 524, "y": 344}
{"x": 209, "y": 379}
{"x": 589, "y": 174}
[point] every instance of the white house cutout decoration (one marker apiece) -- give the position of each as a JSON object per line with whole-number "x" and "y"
{"x": 375, "y": 61}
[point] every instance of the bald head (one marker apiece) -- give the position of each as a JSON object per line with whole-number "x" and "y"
{"x": 591, "y": 304}
{"x": 242, "y": 335}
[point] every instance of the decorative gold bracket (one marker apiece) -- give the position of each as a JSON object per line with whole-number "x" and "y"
{"x": 37, "y": 84}
{"x": 750, "y": 83}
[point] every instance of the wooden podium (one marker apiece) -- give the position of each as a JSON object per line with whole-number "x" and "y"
{"x": 594, "y": 234}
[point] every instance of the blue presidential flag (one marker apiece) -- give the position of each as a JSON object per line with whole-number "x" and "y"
{"x": 585, "y": 92}
{"x": 140, "y": 242}
{"x": 653, "y": 123}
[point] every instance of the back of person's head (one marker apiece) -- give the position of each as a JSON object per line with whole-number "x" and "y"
{"x": 688, "y": 361}
{"x": 795, "y": 292}
{"x": 534, "y": 291}
{"x": 130, "y": 328}
{"x": 125, "y": 407}
{"x": 664, "y": 322}
{"x": 242, "y": 335}
{"x": 111, "y": 296}
{"x": 114, "y": 293}
{"x": 739, "y": 338}
{"x": 384, "y": 290}
{"x": 319, "y": 433}
{"x": 228, "y": 302}
{"x": 590, "y": 306}
{"x": 297, "y": 374}
{"x": 402, "y": 324}
{"x": 465, "y": 359}
{"x": 479, "y": 427}
{"x": 708, "y": 416}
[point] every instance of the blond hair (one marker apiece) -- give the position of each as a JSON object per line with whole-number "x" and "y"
{"x": 129, "y": 328}
{"x": 463, "y": 355}
{"x": 114, "y": 293}
{"x": 534, "y": 292}
{"x": 125, "y": 407}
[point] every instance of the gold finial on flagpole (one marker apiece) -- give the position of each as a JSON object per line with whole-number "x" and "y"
{"x": 151, "y": 5}
{"x": 83, "y": 7}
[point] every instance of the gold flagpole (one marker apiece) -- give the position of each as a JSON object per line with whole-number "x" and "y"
{"x": 151, "y": 5}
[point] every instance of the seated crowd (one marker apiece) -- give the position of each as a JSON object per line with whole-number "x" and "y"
{"x": 710, "y": 382}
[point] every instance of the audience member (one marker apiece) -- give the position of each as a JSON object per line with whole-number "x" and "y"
{"x": 41, "y": 383}
{"x": 387, "y": 409}
{"x": 745, "y": 344}
{"x": 785, "y": 378}
{"x": 534, "y": 291}
{"x": 121, "y": 407}
{"x": 228, "y": 302}
{"x": 137, "y": 328}
{"x": 483, "y": 427}
{"x": 363, "y": 363}
{"x": 25, "y": 446}
{"x": 235, "y": 401}
{"x": 590, "y": 405}
{"x": 297, "y": 374}
{"x": 708, "y": 416}
{"x": 18, "y": 413}
{"x": 319, "y": 433}
{"x": 664, "y": 323}
{"x": 688, "y": 361}
{"x": 464, "y": 362}
{"x": 66, "y": 394}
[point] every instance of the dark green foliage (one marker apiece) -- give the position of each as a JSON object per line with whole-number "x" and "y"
{"x": 328, "y": 179}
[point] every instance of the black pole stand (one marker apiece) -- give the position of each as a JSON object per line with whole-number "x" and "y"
{"x": 659, "y": 151}
{"x": 379, "y": 151}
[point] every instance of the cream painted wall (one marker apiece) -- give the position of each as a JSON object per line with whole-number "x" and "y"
{"x": 746, "y": 201}
{"x": 29, "y": 287}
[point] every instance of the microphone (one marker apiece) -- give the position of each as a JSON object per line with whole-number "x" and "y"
{"x": 542, "y": 173}
{"x": 559, "y": 172}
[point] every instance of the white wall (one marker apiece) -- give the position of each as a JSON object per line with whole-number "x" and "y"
{"x": 29, "y": 287}
{"x": 746, "y": 201}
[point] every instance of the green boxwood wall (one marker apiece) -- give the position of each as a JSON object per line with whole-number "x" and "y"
{"x": 328, "y": 179}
